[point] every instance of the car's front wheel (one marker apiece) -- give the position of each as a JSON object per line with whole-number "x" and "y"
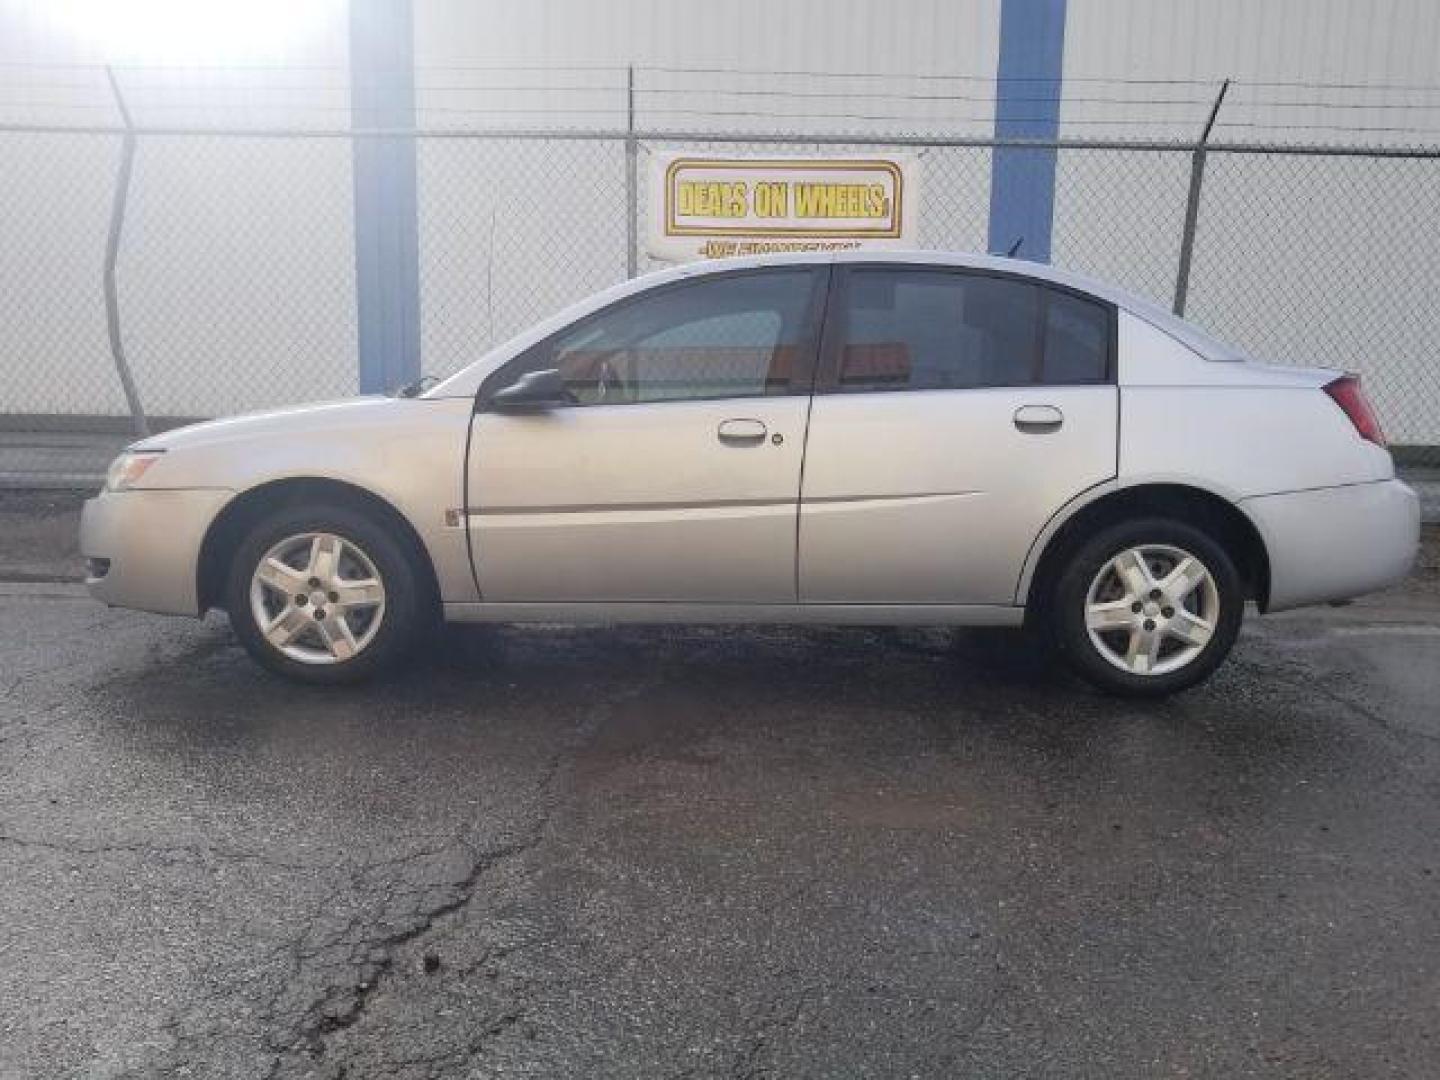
{"x": 323, "y": 594}
{"x": 1148, "y": 607}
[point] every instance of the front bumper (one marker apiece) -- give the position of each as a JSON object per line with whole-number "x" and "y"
{"x": 1336, "y": 543}
{"x": 143, "y": 547}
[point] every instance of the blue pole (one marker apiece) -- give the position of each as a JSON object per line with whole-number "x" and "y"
{"x": 387, "y": 252}
{"x": 1027, "y": 106}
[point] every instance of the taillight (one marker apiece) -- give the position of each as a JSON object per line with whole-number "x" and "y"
{"x": 1345, "y": 392}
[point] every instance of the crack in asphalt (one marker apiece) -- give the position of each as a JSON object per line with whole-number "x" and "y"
{"x": 371, "y": 957}
{"x": 1373, "y": 716}
{"x": 316, "y": 969}
{"x": 472, "y": 1048}
{"x": 341, "y": 1004}
{"x": 767, "y": 1027}
{"x": 1309, "y": 680}
{"x": 200, "y": 853}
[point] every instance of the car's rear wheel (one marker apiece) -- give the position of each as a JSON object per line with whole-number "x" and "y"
{"x": 323, "y": 594}
{"x": 1148, "y": 607}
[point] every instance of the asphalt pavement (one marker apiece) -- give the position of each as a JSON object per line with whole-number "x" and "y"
{"x": 627, "y": 852}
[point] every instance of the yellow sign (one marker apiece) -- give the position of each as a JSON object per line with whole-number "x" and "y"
{"x": 712, "y": 207}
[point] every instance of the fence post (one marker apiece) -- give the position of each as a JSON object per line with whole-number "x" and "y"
{"x": 385, "y": 186}
{"x": 1192, "y": 204}
{"x": 632, "y": 186}
{"x": 112, "y": 254}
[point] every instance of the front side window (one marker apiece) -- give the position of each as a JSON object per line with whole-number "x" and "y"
{"x": 933, "y": 329}
{"x": 741, "y": 335}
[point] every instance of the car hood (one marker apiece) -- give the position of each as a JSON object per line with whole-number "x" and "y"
{"x": 347, "y": 412}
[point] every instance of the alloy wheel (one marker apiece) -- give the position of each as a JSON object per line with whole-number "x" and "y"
{"x": 317, "y": 598}
{"x": 1152, "y": 609}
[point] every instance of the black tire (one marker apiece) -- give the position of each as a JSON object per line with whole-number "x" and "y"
{"x": 1068, "y": 601}
{"x": 407, "y": 602}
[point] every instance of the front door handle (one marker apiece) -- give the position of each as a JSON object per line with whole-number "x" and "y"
{"x": 1038, "y": 419}
{"x": 741, "y": 432}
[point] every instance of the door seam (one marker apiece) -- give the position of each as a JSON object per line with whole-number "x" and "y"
{"x": 816, "y": 359}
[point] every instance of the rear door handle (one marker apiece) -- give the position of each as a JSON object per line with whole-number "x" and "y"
{"x": 741, "y": 432}
{"x": 1038, "y": 419}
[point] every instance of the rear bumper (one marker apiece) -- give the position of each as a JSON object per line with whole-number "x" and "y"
{"x": 1336, "y": 543}
{"x": 143, "y": 547}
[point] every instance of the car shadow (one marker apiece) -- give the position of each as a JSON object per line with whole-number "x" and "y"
{"x": 899, "y": 693}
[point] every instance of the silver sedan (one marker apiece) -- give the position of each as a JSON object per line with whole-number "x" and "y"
{"x": 913, "y": 439}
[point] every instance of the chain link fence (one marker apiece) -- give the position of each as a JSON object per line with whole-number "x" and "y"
{"x": 236, "y": 269}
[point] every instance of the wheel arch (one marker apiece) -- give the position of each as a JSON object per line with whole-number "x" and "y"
{"x": 251, "y": 505}
{"x": 1221, "y": 518}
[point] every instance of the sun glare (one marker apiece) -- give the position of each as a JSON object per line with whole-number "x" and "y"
{"x": 201, "y": 31}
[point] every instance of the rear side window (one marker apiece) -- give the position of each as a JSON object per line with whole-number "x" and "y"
{"x": 1077, "y": 339}
{"x": 926, "y": 329}
{"x": 934, "y": 330}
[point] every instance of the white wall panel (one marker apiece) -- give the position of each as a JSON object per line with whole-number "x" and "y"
{"x": 1376, "y": 57}
{"x": 899, "y": 37}
{"x": 1309, "y": 260}
{"x": 236, "y": 268}
{"x": 555, "y": 217}
{"x": 744, "y": 66}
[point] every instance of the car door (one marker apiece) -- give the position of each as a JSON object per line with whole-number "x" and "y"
{"x": 956, "y": 412}
{"x": 675, "y": 473}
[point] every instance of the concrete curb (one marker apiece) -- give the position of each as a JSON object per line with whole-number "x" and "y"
{"x": 44, "y": 590}
{"x": 1426, "y": 483}
{"x": 13, "y": 481}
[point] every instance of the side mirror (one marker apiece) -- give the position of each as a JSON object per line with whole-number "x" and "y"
{"x": 535, "y": 391}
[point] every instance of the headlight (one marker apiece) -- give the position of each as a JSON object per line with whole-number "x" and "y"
{"x": 126, "y": 470}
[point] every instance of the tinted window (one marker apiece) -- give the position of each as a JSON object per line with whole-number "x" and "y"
{"x": 923, "y": 329}
{"x": 936, "y": 330}
{"x": 741, "y": 335}
{"x": 1077, "y": 339}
